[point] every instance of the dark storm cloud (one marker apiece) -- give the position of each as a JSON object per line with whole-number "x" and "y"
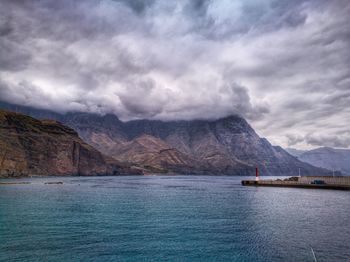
{"x": 138, "y": 6}
{"x": 198, "y": 7}
{"x": 5, "y": 28}
{"x": 283, "y": 65}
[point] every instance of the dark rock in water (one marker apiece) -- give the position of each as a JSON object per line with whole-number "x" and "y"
{"x": 54, "y": 183}
{"x": 15, "y": 183}
{"x": 45, "y": 147}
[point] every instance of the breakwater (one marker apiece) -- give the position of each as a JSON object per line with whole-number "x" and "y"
{"x": 319, "y": 182}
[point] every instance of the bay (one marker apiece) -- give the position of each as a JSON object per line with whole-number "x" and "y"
{"x": 170, "y": 218}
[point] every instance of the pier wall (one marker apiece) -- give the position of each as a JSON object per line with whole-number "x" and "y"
{"x": 330, "y": 182}
{"x": 337, "y": 180}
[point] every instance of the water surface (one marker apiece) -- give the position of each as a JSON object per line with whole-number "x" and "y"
{"x": 170, "y": 218}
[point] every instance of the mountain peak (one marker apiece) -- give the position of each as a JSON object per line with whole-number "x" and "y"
{"x": 224, "y": 146}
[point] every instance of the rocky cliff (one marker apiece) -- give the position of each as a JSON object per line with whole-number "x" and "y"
{"x": 225, "y": 146}
{"x": 44, "y": 147}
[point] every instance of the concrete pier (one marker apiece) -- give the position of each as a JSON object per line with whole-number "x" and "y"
{"x": 319, "y": 182}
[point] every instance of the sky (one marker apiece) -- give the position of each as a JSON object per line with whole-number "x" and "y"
{"x": 282, "y": 65}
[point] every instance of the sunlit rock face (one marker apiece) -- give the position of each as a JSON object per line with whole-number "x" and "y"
{"x": 31, "y": 147}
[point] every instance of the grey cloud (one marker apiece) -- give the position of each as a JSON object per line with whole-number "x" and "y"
{"x": 138, "y": 6}
{"x": 328, "y": 141}
{"x": 242, "y": 105}
{"x": 283, "y": 65}
{"x": 143, "y": 100}
{"x": 254, "y": 18}
{"x": 197, "y": 7}
{"x": 320, "y": 140}
{"x": 13, "y": 57}
{"x": 5, "y": 26}
{"x": 26, "y": 94}
{"x": 294, "y": 139}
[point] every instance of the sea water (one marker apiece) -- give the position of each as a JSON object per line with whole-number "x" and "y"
{"x": 170, "y": 218}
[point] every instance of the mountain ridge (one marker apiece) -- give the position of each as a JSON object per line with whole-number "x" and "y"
{"x": 227, "y": 146}
{"x": 327, "y": 157}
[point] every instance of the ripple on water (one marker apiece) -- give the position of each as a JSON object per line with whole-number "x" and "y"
{"x": 173, "y": 218}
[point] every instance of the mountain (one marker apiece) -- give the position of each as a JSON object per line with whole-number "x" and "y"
{"x": 330, "y": 158}
{"x": 153, "y": 153}
{"x": 295, "y": 152}
{"x": 45, "y": 147}
{"x": 224, "y": 146}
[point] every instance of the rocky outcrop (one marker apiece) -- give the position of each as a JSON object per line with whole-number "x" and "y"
{"x": 31, "y": 147}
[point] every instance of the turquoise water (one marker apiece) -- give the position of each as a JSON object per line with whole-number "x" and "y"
{"x": 175, "y": 218}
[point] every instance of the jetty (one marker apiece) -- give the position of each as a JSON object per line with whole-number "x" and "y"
{"x": 317, "y": 182}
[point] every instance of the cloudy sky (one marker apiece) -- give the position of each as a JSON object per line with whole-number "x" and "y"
{"x": 284, "y": 65}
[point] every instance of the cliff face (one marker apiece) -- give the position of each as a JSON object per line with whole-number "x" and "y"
{"x": 226, "y": 146}
{"x": 33, "y": 147}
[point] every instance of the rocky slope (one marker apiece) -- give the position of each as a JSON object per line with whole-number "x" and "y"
{"x": 154, "y": 154}
{"x": 295, "y": 152}
{"x": 44, "y": 147}
{"x": 225, "y": 146}
{"x": 330, "y": 158}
